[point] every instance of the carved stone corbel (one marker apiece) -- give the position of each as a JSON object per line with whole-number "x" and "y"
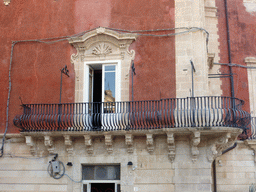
{"x": 252, "y": 145}
{"x": 48, "y": 142}
{"x": 150, "y": 142}
{"x": 31, "y": 144}
{"x": 129, "y": 142}
{"x": 212, "y": 153}
{"x": 218, "y": 145}
{"x": 69, "y": 146}
{"x": 171, "y": 146}
{"x": 88, "y": 144}
{"x": 194, "y": 143}
{"x": 108, "y": 143}
{"x": 224, "y": 142}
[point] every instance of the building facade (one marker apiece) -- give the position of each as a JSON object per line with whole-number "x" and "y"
{"x": 128, "y": 96}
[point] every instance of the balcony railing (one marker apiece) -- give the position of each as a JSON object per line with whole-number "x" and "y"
{"x": 136, "y": 115}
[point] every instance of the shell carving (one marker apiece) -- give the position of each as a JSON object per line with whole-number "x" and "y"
{"x": 102, "y": 49}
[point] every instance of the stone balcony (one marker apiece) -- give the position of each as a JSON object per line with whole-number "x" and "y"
{"x": 175, "y": 139}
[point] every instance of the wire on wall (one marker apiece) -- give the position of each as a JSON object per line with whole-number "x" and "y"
{"x": 65, "y": 38}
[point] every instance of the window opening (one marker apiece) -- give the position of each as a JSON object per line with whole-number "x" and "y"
{"x": 103, "y": 187}
{"x": 102, "y": 83}
{"x": 101, "y": 178}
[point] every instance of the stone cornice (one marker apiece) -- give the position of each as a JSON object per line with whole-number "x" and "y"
{"x": 250, "y": 60}
{"x": 104, "y": 31}
{"x": 218, "y": 139}
{"x": 163, "y": 131}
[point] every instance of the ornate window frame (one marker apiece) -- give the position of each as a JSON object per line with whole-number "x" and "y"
{"x": 251, "y": 62}
{"x": 103, "y": 45}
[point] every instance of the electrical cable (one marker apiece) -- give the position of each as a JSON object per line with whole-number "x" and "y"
{"x": 72, "y": 179}
{"x": 235, "y": 65}
{"x": 65, "y": 38}
{"x": 8, "y": 102}
{"x": 14, "y": 156}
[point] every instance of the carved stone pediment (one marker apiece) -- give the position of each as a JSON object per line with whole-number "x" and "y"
{"x": 102, "y": 42}
{"x": 101, "y": 45}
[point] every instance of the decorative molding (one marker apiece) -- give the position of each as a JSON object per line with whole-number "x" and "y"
{"x": 194, "y": 143}
{"x": 88, "y": 144}
{"x": 252, "y": 145}
{"x": 7, "y": 2}
{"x": 31, "y": 144}
{"x": 150, "y": 142}
{"x": 129, "y": 142}
{"x": 100, "y": 30}
{"x": 218, "y": 145}
{"x": 251, "y": 73}
{"x": 102, "y": 49}
{"x": 67, "y": 140}
{"x": 102, "y": 44}
{"x": 171, "y": 146}
{"x": 109, "y": 143}
{"x": 48, "y": 142}
{"x": 69, "y": 146}
{"x": 210, "y": 11}
{"x": 250, "y": 60}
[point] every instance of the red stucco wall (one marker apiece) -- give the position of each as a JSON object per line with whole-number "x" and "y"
{"x": 242, "y": 40}
{"x": 36, "y": 66}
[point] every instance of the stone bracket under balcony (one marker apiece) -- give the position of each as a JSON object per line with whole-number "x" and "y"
{"x": 252, "y": 145}
{"x": 216, "y": 139}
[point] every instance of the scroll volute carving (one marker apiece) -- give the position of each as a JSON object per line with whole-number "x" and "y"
{"x": 194, "y": 143}
{"x": 88, "y": 144}
{"x": 109, "y": 143}
{"x": 129, "y": 142}
{"x": 48, "y": 142}
{"x": 31, "y": 144}
{"x": 171, "y": 146}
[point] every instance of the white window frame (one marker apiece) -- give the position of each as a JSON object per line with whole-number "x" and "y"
{"x": 89, "y": 182}
{"x": 117, "y": 83}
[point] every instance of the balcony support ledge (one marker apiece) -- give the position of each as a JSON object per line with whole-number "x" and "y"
{"x": 217, "y": 139}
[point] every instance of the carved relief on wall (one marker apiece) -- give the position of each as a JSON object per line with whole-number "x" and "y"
{"x": 102, "y": 49}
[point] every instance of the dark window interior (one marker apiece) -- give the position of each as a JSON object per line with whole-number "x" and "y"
{"x": 97, "y": 87}
{"x": 102, "y": 187}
